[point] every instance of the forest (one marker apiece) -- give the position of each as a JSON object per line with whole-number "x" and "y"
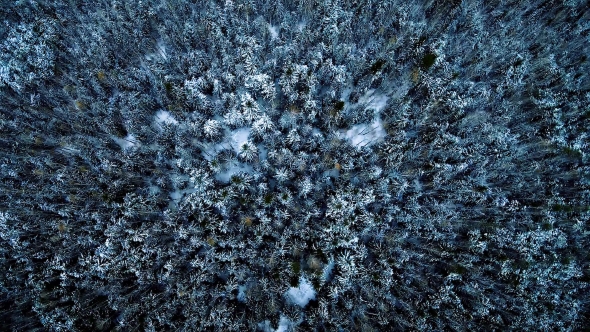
{"x": 294, "y": 165}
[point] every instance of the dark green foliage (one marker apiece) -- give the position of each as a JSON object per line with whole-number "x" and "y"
{"x": 428, "y": 60}
{"x": 268, "y": 199}
{"x": 168, "y": 87}
{"x": 296, "y": 267}
{"x": 481, "y": 189}
{"x": 377, "y": 65}
{"x": 294, "y": 281}
{"x": 572, "y": 153}
{"x": 457, "y": 268}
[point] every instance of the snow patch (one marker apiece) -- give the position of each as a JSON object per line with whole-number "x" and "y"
{"x": 234, "y": 140}
{"x": 210, "y": 151}
{"x": 373, "y": 101}
{"x": 316, "y": 132}
{"x": 165, "y": 117}
{"x": 346, "y": 93}
{"x": 242, "y": 293}
{"x": 154, "y": 190}
{"x": 301, "y": 26}
{"x": 363, "y": 134}
{"x": 176, "y": 195}
{"x": 274, "y": 32}
{"x": 401, "y": 90}
{"x": 239, "y": 137}
{"x": 366, "y": 134}
{"x": 332, "y": 173}
{"x": 127, "y": 142}
{"x": 302, "y": 294}
{"x": 328, "y": 271}
{"x": 162, "y": 50}
{"x": 262, "y": 152}
{"x": 284, "y": 324}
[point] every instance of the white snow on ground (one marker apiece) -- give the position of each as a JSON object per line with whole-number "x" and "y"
{"x": 274, "y": 32}
{"x": 363, "y": 134}
{"x": 161, "y": 48}
{"x": 126, "y": 142}
{"x": 226, "y": 175}
{"x": 366, "y": 134}
{"x": 303, "y": 294}
{"x": 154, "y": 190}
{"x": 401, "y": 90}
{"x": 300, "y": 26}
{"x": 242, "y": 293}
{"x": 316, "y": 132}
{"x": 239, "y": 137}
{"x": 176, "y": 195}
{"x": 211, "y": 150}
{"x": 284, "y": 324}
{"x": 164, "y": 117}
{"x": 372, "y": 101}
{"x": 160, "y": 51}
{"x": 262, "y": 152}
{"x": 346, "y": 93}
{"x": 332, "y": 173}
{"x": 234, "y": 140}
{"x": 327, "y": 273}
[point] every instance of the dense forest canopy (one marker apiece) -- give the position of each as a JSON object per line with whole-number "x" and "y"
{"x": 300, "y": 165}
